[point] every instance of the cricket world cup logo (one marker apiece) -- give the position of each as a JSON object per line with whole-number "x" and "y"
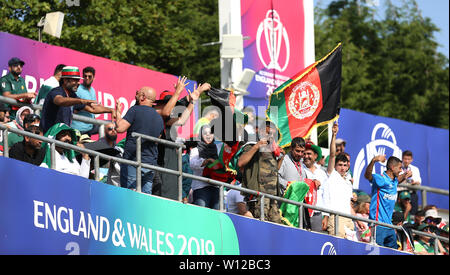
{"x": 274, "y": 36}
{"x": 383, "y": 142}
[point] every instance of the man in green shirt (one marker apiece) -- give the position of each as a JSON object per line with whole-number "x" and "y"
{"x": 424, "y": 245}
{"x": 13, "y": 85}
{"x": 403, "y": 205}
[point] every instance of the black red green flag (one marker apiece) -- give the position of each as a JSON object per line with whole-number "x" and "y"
{"x": 229, "y": 116}
{"x": 226, "y": 130}
{"x": 309, "y": 99}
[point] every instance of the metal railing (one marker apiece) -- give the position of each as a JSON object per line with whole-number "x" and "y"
{"x": 180, "y": 174}
{"x": 39, "y": 107}
{"x": 424, "y": 190}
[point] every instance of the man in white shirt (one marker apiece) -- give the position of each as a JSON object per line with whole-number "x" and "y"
{"x": 291, "y": 168}
{"x": 338, "y": 192}
{"x": 415, "y": 179}
{"x": 236, "y": 204}
{"x": 311, "y": 155}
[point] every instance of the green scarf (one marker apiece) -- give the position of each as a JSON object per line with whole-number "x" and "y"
{"x": 52, "y": 133}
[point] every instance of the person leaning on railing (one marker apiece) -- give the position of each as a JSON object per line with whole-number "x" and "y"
{"x": 384, "y": 194}
{"x": 65, "y": 160}
{"x": 29, "y": 150}
{"x": 143, "y": 119}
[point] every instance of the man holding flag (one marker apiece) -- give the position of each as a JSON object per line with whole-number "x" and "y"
{"x": 260, "y": 164}
{"x": 309, "y": 99}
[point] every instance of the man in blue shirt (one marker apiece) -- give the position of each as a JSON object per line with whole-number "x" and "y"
{"x": 61, "y": 101}
{"x": 384, "y": 196}
{"x": 144, "y": 119}
{"x": 86, "y": 91}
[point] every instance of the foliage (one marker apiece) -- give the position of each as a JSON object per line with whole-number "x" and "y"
{"x": 156, "y": 34}
{"x": 391, "y": 66}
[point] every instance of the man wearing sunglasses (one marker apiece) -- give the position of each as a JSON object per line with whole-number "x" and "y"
{"x": 29, "y": 150}
{"x": 86, "y": 91}
{"x": 107, "y": 145}
{"x": 432, "y": 217}
{"x": 13, "y": 85}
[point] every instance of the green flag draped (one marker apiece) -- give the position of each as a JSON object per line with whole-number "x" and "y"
{"x": 52, "y": 133}
{"x": 296, "y": 191}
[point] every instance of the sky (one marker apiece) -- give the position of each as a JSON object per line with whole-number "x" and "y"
{"x": 436, "y": 10}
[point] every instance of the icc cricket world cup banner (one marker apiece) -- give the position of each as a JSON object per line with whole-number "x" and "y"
{"x": 280, "y": 44}
{"x": 113, "y": 80}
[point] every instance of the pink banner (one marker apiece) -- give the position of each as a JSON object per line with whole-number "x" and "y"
{"x": 276, "y": 48}
{"x": 113, "y": 80}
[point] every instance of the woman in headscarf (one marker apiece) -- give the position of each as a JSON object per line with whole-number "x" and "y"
{"x": 65, "y": 160}
{"x": 13, "y": 138}
{"x": 20, "y": 115}
{"x": 206, "y": 152}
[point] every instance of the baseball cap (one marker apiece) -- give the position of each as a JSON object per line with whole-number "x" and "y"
{"x": 405, "y": 195}
{"x": 340, "y": 141}
{"x": 422, "y": 226}
{"x": 14, "y": 61}
{"x": 164, "y": 97}
{"x": 364, "y": 198}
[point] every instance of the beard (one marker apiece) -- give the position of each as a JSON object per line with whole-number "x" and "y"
{"x": 14, "y": 73}
{"x": 111, "y": 137}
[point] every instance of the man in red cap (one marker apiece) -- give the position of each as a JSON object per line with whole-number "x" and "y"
{"x": 61, "y": 101}
{"x": 167, "y": 157}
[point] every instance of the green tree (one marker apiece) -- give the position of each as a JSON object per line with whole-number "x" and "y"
{"x": 391, "y": 66}
{"x": 156, "y": 34}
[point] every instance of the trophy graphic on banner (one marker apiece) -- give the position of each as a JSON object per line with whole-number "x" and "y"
{"x": 274, "y": 34}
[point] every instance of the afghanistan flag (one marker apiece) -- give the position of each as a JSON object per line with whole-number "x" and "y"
{"x": 225, "y": 129}
{"x": 296, "y": 191}
{"x": 230, "y": 118}
{"x": 309, "y": 99}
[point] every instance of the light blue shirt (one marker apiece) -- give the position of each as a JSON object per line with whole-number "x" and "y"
{"x": 384, "y": 196}
{"x": 84, "y": 93}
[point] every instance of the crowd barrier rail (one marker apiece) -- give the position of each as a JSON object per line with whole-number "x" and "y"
{"x": 180, "y": 174}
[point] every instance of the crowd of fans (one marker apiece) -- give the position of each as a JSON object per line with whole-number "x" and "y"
{"x": 254, "y": 161}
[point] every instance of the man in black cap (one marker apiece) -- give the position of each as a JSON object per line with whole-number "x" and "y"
{"x": 166, "y": 184}
{"x": 13, "y": 85}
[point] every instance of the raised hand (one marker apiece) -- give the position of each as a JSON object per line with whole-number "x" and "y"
{"x": 181, "y": 84}
{"x": 335, "y": 128}
{"x": 380, "y": 158}
{"x": 204, "y": 87}
{"x": 194, "y": 95}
